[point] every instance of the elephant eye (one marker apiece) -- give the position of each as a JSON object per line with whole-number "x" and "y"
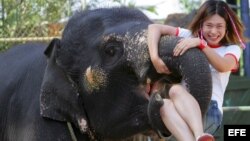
{"x": 112, "y": 52}
{"x": 113, "y": 48}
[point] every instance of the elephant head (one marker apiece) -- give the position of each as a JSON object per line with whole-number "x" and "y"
{"x": 99, "y": 74}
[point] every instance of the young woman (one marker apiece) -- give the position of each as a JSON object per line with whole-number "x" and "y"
{"x": 218, "y": 33}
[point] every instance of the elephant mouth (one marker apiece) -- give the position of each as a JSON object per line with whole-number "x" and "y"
{"x": 160, "y": 86}
{"x": 155, "y": 91}
{"x": 146, "y": 89}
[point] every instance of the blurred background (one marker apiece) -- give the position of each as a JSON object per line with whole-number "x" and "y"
{"x": 24, "y": 21}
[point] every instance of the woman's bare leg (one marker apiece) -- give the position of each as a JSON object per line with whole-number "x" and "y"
{"x": 188, "y": 108}
{"x": 174, "y": 122}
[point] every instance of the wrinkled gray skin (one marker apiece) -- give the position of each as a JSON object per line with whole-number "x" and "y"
{"x": 97, "y": 77}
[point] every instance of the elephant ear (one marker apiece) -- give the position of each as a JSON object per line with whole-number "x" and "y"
{"x": 59, "y": 99}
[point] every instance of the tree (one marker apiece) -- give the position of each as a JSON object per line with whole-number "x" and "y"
{"x": 19, "y": 16}
{"x": 129, "y": 3}
{"x": 190, "y": 5}
{"x": 42, "y": 18}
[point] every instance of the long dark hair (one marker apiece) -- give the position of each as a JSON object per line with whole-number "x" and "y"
{"x": 234, "y": 28}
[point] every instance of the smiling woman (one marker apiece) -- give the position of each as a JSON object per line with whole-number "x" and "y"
{"x": 218, "y": 33}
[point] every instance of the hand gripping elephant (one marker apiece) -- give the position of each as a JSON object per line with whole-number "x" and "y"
{"x": 94, "y": 83}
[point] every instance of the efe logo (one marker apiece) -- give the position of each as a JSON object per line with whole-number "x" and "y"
{"x": 236, "y": 132}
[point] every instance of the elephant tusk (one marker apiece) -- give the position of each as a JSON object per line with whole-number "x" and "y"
{"x": 89, "y": 75}
{"x": 72, "y": 133}
{"x": 148, "y": 86}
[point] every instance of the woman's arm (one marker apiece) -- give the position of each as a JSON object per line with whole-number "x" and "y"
{"x": 221, "y": 64}
{"x": 155, "y": 31}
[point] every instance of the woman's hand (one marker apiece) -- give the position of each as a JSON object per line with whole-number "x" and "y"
{"x": 160, "y": 66}
{"x": 154, "y": 33}
{"x": 185, "y": 44}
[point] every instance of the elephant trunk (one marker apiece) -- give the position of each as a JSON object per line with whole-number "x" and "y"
{"x": 192, "y": 67}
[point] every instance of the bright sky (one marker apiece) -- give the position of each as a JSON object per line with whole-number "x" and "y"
{"x": 163, "y": 7}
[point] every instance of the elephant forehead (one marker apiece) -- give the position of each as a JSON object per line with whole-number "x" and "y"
{"x": 137, "y": 46}
{"x": 137, "y": 51}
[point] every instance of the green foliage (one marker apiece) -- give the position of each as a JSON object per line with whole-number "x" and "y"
{"x": 19, "y": 16}
{"x": 129, "y": 3}
{"x": 190, "y": 5}
{"x": 34, "y": 18}
{"x": 29, "y": 18}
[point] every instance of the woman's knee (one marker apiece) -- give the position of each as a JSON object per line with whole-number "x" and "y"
{"x": 176, "y": 90}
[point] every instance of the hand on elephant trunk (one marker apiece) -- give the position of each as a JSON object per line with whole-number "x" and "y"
{"x": 184, "y": 44}
{"x": 160, "y": 66}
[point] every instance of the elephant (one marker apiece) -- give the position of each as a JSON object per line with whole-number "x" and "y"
{"x": 95, "y": 82}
